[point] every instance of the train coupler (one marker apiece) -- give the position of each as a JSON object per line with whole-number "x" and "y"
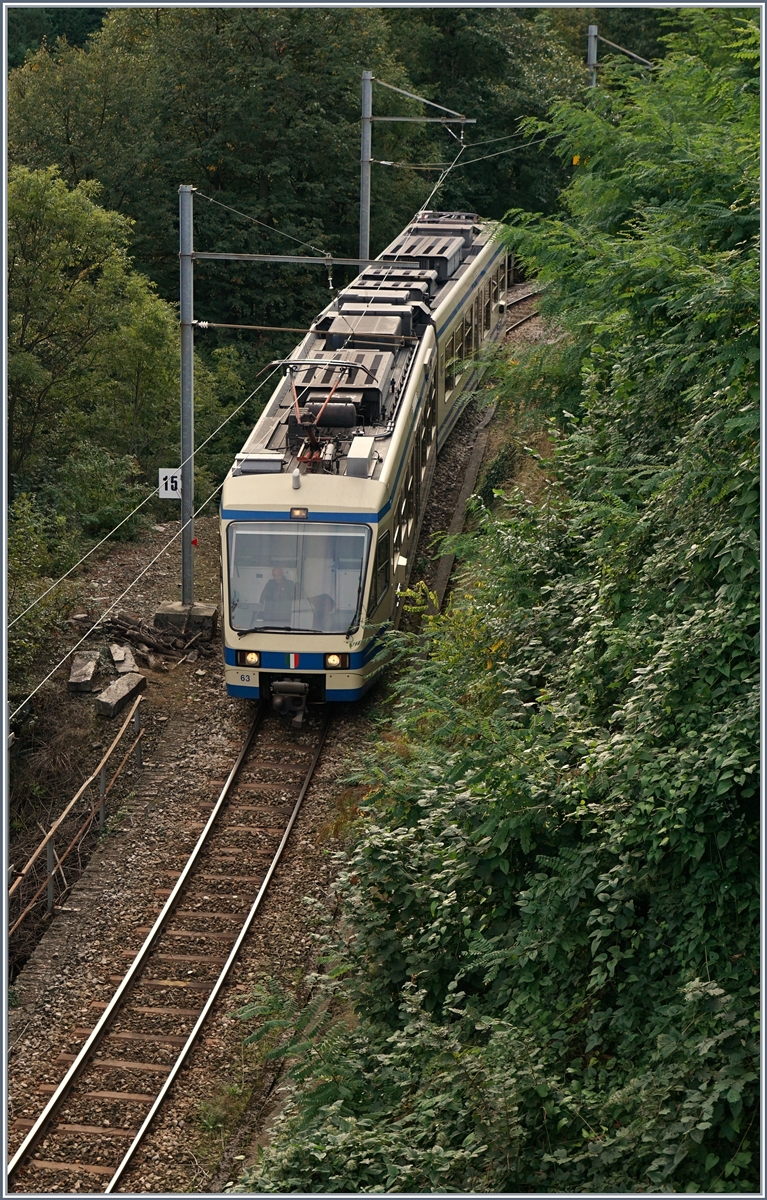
{"x": 289, "y": 698}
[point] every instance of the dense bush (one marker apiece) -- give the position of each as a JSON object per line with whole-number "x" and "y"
{"x": 551, "y": 897}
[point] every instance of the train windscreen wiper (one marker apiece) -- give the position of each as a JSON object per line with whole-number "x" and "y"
{"x": 265, "y": 629}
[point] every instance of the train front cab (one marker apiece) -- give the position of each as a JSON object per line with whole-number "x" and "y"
{"x": 309, "y": 558}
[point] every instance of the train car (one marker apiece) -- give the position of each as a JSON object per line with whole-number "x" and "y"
{"x": 321, "y": 511}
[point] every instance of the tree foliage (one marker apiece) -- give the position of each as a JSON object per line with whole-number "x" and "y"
{"x": 259, "y": 109}
{"x": 28, "y": 28}
{"x": 550, "y": 900}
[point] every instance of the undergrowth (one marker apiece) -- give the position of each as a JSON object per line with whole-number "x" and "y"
{"x": 549, "y": 898}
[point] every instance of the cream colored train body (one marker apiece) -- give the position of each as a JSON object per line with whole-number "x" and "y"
{"x": 321, "y": 511}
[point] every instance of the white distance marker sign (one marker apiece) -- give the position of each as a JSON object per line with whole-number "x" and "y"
{"x": 170, "y": 483}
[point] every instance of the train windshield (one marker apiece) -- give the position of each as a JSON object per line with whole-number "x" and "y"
{"x": 305, "y": 578}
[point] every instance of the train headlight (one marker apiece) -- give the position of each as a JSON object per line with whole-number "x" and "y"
{"x": 337, "y": 662}
{"x": 248, "y": 658}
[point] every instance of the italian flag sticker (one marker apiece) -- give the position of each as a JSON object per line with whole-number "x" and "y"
{"x": 292, "y": 660}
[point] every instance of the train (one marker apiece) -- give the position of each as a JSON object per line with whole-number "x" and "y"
{"x": 321, "y": 510}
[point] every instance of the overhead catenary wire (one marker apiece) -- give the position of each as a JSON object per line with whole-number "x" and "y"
{"x": 421, "y": 99}
{"x": 439, "y": 166}
{"x": 445, "y": 167}
{"x": 114, "y": 603}
{"x": 263, "y": 224}
{"x": 150, "y": 496}
{"x": 392, "y": 262}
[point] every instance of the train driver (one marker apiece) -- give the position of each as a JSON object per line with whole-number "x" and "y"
{"x": 277, "y": 598}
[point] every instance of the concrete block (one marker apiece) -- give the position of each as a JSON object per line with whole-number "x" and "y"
{"x": 83, "y": 669}
{"x": 187, "y": 620}
{"x": 114, "y": 698}
{"x": 123, "y": 659}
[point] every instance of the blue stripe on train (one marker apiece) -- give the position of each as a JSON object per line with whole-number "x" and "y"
{"x": 279, "y": 659}
{"x": 332, "y": 696}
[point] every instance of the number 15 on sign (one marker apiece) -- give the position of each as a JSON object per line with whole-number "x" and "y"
{"x": 170, "y": 483}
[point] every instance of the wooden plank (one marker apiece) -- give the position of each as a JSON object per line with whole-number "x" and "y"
{"x": 160, "y": 1012}
{"x": 197, "y": 985}
{"x": 172, "y": 1039}
{"x": 117, "y": 1064}
{"x": 265, "y": 810}
{"x": 131, "y": 1097}
{"x": 102, "y": 1130}
{"x": 186, "y": 933}
{"x": 199, "y": 912}
{"x": 74, "y": 1168}
{"x": 276, "y": 830}
{"x": 257, "y": 786}
{"x": 213, "y": 958}
{"x": 218, "y": 878}
{"x": 106, "y": 1130}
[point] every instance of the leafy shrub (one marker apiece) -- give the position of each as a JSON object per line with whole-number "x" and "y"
{"x": 94, "y": 492}
{"x": 36, "y": 546}
{"x": 550, "y": 900}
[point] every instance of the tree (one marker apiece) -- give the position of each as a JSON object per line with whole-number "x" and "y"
{"x": 258, "y": 108}
{"x": 498, "y": 66}
{"x": 66, "y": 267}
{"x": 28, "y": 28}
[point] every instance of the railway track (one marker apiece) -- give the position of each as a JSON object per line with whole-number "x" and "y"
{"x": 116, "y": 1083}
{"x": 527, "y": 317}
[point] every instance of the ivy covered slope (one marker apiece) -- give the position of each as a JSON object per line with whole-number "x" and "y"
{"x": 551, "y": 897}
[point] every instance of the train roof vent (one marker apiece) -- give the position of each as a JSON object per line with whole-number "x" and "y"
{"x": 463, "y": 218}
{"x": 260, "y": 462}
{"x": 441, "y": 253}
{"x": 385, "y": 275}
{"x": 461, "y": 229}
{"x": 368, "y": 377}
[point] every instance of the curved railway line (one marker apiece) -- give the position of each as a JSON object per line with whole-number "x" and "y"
{"x": 119, "y": 1072}
{"x": 99, "y": 1114}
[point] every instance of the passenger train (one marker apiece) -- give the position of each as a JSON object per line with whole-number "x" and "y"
{"x": 320, "y": 513}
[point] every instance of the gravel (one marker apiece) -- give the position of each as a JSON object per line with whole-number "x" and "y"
{"x": 194, "y": 731}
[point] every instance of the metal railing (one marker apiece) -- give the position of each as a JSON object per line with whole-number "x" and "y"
{"x": 54, "y": 861}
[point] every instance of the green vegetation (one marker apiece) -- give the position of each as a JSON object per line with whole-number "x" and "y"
{"x": 29, "y": 27}
{"x": 259, "y": 109}
{"x": 549, "y": 951}
{"x": 92, "y": 391}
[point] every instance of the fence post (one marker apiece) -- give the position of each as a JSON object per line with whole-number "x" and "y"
{"x": 137, "y": 730}
{"x": 49, "y": 849}
{"x": 102, "y": 790}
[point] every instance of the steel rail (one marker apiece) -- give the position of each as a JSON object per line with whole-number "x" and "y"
{"x": 522, "y": 320}
{"x": 225, "y": 970}
{"x": 99, "y": 1032}
{"x": 521, "y": 299}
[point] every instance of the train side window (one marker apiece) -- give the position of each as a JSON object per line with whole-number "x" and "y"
{"x": 488, "y": 293}
{"x": 450, "y": 363}
{"x": 381, "y": 571}
{"x": 428, "y": 424}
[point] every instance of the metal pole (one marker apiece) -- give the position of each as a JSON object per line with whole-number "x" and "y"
{"x": 49, "y": 864}
{"x": 591, "y": 59}
{"x": 102, "y": 793}
{"x": 186, "y": 297}
{"x": 365, "y": 152}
